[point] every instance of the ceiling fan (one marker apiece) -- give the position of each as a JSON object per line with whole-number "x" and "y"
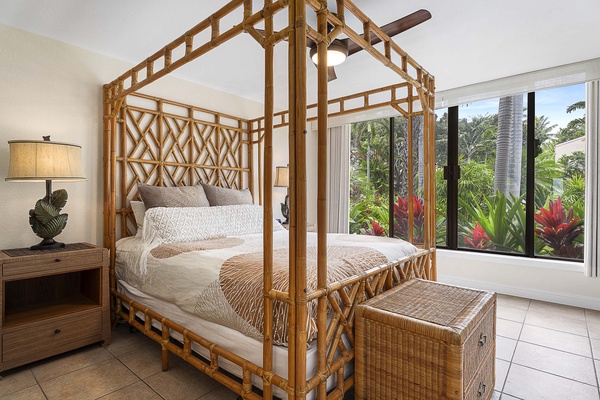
{"x": 340, "y": 49}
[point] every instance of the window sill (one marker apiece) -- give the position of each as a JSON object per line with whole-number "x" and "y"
{"x": 515, "y": 261}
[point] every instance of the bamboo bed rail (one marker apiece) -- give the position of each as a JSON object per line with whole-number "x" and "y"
{"x": 238, "y": 151}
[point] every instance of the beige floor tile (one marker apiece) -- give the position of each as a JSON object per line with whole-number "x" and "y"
{"x": 511, "y": 313}
{"x": 556, "y": 322}
{"x": 512, "y": 301}
{"x": 592, "y": 316}
{"x": 597, "y": 364}
{"x": 529, "y": 384}
{"x": 495, "y": 396}
{"x": 90, "y": 382}
{"x": 505, "y": 348}
{"x": 137, "y": 391}
{"x": 594, "y": 329}
{"x": 555, "y": 362}
{"x": 557, "y": 309}
{"x": 596, "y": 349}
{"x": 181, "y": 382}
{"x": 123, "y": 341}
{"x": 68, "y": 362}
{"x": 501, "y": 373}
{"x": 30, "y": 393}
{"x": 145, "y": 361}
{"x": 507, "y": 397}
{"x": 220, "y": 393}
{"x": 15, "y": 380}
{"x": 557, "y": 340}
{"x": 509, "y": 329}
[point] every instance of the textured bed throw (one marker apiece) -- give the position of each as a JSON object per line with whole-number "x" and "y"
{"x": 217, "y": 274}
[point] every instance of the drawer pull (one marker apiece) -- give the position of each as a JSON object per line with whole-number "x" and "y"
{"x": 57, "y": 331}
{"x": 57, "y": 260}
{"x": 482, "y": 340}
{"x": 481, "y": 390}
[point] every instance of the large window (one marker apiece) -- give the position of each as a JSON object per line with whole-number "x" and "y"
{"x": 380, "y": 198}
{"x": 510, "y": 174}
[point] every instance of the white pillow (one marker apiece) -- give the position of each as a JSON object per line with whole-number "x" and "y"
{"x": 187, "y": 224}
{"x": 139, "y": 210}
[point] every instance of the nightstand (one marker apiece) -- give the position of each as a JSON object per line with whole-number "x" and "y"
{"x": 52, "y": 301}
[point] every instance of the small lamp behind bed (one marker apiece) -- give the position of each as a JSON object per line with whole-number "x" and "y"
{"x": 282, "y": 179}
{"x": 39, "y": 161}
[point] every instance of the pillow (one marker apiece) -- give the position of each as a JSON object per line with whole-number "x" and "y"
{"x": 218, "y": 196}
{"x": 139, "y": 210}
{"x": 188, "y": 224}
{"x": 182, "y": 196}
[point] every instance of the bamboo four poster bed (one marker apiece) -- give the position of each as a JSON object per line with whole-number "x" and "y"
{"x": 166, "y": 143}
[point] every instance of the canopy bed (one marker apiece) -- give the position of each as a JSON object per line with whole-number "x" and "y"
{"x": 164, "y": 143}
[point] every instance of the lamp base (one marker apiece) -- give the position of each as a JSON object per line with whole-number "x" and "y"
{"x": 47, "y": 244}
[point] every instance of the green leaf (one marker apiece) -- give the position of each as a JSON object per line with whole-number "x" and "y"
{"x": 54, "y": 227}
{"x": 45, "y": 211}
{"x": 59, "y": 198}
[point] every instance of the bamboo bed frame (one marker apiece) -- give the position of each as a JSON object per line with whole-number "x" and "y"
{"x": 194, "y": 144}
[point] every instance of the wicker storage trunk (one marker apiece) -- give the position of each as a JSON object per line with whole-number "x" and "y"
{"x": 425, "y": 340}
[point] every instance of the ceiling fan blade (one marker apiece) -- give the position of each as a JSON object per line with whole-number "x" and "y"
{"x": 394, "y": 28}
{"x": 331, "y": 74}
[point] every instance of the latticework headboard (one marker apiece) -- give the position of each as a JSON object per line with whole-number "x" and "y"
{"x": 165, "y": 143}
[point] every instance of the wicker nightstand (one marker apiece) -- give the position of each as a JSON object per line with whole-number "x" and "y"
{"x": 52, "y": 301}
{"x": 425, "y": 340}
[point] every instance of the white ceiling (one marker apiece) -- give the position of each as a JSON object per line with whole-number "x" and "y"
{"x": 465, "y": 42}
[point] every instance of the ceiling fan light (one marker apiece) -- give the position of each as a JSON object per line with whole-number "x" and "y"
{"x": 336, "y": 53}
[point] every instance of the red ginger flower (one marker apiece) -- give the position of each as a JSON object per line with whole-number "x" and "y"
{"x": 480, "y": 239}
{"x": 376, "y": 229}
{"x": 559, "y": 230}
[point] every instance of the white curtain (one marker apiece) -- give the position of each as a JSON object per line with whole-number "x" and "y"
{"x": 338, "y": 178}
{"x": 592, "y": 180}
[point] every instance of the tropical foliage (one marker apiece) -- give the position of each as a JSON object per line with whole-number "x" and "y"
{"x": 560, "y": 230}
{"x": 489, "y": 219}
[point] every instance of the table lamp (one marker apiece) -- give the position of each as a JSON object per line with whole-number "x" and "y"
{"x": 38, "y": 161}
{"x": 282, "y": 179}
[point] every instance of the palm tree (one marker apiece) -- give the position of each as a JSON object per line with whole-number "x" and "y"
{"x": 509, "y": 146}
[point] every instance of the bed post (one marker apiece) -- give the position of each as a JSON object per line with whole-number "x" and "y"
{"x": 268, "y": 206}
{"x": 292, "y": 192}
{"x": 298, "y": 289}
{"x": 322, "y": 200}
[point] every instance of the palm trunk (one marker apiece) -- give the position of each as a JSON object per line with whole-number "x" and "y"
{"x": 509, "y": 144}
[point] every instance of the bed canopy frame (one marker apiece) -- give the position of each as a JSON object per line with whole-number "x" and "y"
{"x": 194, "y": 144}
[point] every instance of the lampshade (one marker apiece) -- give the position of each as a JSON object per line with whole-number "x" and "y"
{"x": 282, "y": 177}
{"x": 336, "y": 53}
{"x": 36, "y": 160}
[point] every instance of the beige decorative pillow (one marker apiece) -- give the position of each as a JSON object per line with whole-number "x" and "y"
{"x": 182, "y": 196}
{"x": 218, "y": 196}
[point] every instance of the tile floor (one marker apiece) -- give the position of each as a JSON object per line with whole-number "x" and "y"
{"x": 544, "y": 351}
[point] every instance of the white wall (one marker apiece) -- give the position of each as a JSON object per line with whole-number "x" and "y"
{"x": 548, "y": 280}
{"x": 51, "y": 88}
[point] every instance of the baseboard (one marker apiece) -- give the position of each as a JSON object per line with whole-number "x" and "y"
{"x": 543, "y": 295}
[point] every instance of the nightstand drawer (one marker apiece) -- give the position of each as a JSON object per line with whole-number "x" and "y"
{"x": 53, "y": 263}
{"x": 45, "y": 339}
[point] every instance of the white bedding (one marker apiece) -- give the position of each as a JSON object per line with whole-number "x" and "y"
{"x": 220, "y": 279}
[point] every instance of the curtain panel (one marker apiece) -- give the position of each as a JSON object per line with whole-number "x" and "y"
{"x": 592, "y": 180}
{"x": 338, "y": 177}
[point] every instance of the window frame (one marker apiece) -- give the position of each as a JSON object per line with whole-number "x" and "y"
{"x": 452, "y": 175}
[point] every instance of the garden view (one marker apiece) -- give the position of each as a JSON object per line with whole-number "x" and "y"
{"x": 492, "y": 189}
